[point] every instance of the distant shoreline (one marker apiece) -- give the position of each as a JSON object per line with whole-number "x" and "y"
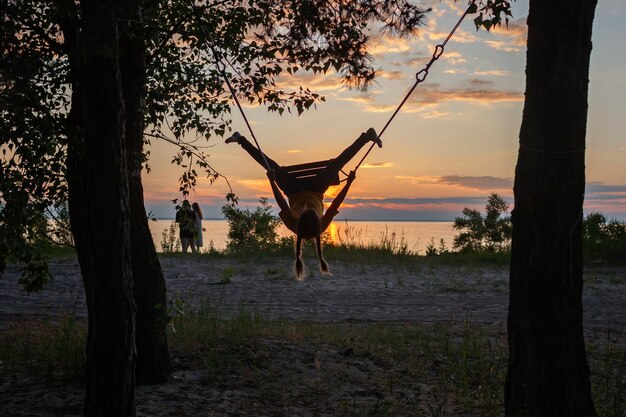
{"x": 338, "y": 220}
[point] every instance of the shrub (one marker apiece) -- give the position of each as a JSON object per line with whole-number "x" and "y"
{"x": 604, "y": 240}
{"x": 432, "y": 250}
{"x": 250, "y": 230}
{"x": 170, "y": 242}
{"x": 490, "y": 233}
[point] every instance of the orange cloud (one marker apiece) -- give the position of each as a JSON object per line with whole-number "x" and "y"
{"x": 454, "y": 71}
{"x": 460, "y": 36}
{"x": 486, "y": 182}
{"x": 377, "y": 165}
{"x": 476, "y": 91}
{"x": 503, "y": 46}
{"x": 361, "y": 99}
{"x": 380, "y": 108}
{"x": 512, "y": 38}
{"x": 429, "y": 95}
{"x": 412, "y": 206}
{"x": 454, "y": 57}
{"x": 418, "y": 60}
{"x": 493, "y": 73}
{"x": 260, "y": 185}
{"x": 318, "y": 82}
{"x": 384, "y": 44}
{"x": 434, "y": 114}
{"x": 392, "y": 75}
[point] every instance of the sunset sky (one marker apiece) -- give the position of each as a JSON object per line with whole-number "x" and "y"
{"x": 454, "y": 142}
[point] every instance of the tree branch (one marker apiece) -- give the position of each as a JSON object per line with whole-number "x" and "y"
{"x": 189, "y": 149}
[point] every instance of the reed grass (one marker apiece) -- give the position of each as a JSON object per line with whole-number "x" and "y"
{"x": 346, "y": 369}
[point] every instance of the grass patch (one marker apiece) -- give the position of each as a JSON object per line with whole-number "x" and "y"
{"x": 607, "y": 362}
{"x": 59, "y": 251}
{"x": 346, "y": 369}
{"x": 342, "y": 369}
{"x": 227, "y": 275}
{"x": 53, "y": 348}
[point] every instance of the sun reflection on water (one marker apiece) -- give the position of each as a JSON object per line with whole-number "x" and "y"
{"x": 332, "y": 234}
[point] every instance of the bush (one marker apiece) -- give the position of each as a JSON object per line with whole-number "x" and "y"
{"x": 250, "y": 230}
{"x": 170, "y": 242}
{"x": 432, "y": 250}
{"x": 604, "y": 240}
{"x": 489, "y": 233}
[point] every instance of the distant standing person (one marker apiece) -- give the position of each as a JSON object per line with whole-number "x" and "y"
{"x": 198, "y": 228}
{"x": 186, "y": 219}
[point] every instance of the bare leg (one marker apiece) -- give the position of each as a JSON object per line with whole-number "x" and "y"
{"x": 254, "y": 152}
{"x": 324, "y": 179}
{"x": 185, "y": 243}
{"x": 283, "y": 179}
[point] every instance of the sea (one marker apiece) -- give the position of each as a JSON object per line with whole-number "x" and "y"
{"x": 415, "y": 234}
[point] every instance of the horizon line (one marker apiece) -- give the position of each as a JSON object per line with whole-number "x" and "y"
{"x": 353, "y": 220}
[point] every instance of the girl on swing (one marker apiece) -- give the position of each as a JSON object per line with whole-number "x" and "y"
{"x": 304, "y": 214}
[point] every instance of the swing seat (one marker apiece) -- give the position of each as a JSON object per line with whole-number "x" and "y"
{"x": 310, "y": 170}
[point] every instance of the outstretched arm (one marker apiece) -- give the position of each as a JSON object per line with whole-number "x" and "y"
{"x": 334, "y": 206}
{"x": 278, "y": 195}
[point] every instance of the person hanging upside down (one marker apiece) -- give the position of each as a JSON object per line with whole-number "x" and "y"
{"x": 304, "y": 214}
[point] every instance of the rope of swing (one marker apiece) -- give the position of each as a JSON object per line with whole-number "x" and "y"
{"x": 224, "y": 75}
{"x": 420, "y": 76}
{"x": 245, "y": 119}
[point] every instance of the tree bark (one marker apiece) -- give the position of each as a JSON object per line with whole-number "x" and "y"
{"x": 153, "y": 362}
{"x": 67, "y": 17}
{"x": 548, "y": 373}
{"x": 111, "y": 346}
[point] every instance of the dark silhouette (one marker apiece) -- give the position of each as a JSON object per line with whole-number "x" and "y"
{"x": 186, "y": 219}
{"x": 153, "y": 364}
{"x": 110, "y": 382}
{"x": 198, "y": 226}
{"x": 153, "y": 359}
{"x": 304, "y": 214}
{"x": 548, "y": 373}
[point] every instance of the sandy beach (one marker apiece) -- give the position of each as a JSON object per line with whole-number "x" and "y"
{"x": 356, "y": 293}
{"x": 421, "y": 292}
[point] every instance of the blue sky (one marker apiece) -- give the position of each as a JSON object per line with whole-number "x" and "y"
{"x": 455, "y": 141}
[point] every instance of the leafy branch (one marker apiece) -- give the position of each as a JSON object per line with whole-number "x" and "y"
{"x": 188, "y": 180}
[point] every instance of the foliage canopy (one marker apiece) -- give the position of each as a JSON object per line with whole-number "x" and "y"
{"x": 258, "y": 43}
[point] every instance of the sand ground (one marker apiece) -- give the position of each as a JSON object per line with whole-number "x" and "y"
{"x": 421, "y": 292}
{"x": 355, "y": 293}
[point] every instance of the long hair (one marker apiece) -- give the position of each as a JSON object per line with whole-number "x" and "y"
{"x": 309, "y": 227}
{"x": 196, "y": 208}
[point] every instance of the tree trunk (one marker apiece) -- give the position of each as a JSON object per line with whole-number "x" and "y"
{"x": 153, "y": 362}
{"x": 111, "y": 346}
{"x": 548, "y": 373}
{"x": 68, "y": 20}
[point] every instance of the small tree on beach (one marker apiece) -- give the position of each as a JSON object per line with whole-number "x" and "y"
{"x": 491, "y": 232}
{"x": 603, "y": 239}
{"x": 170, "y": 242}
{"x": 250, "y": 229}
